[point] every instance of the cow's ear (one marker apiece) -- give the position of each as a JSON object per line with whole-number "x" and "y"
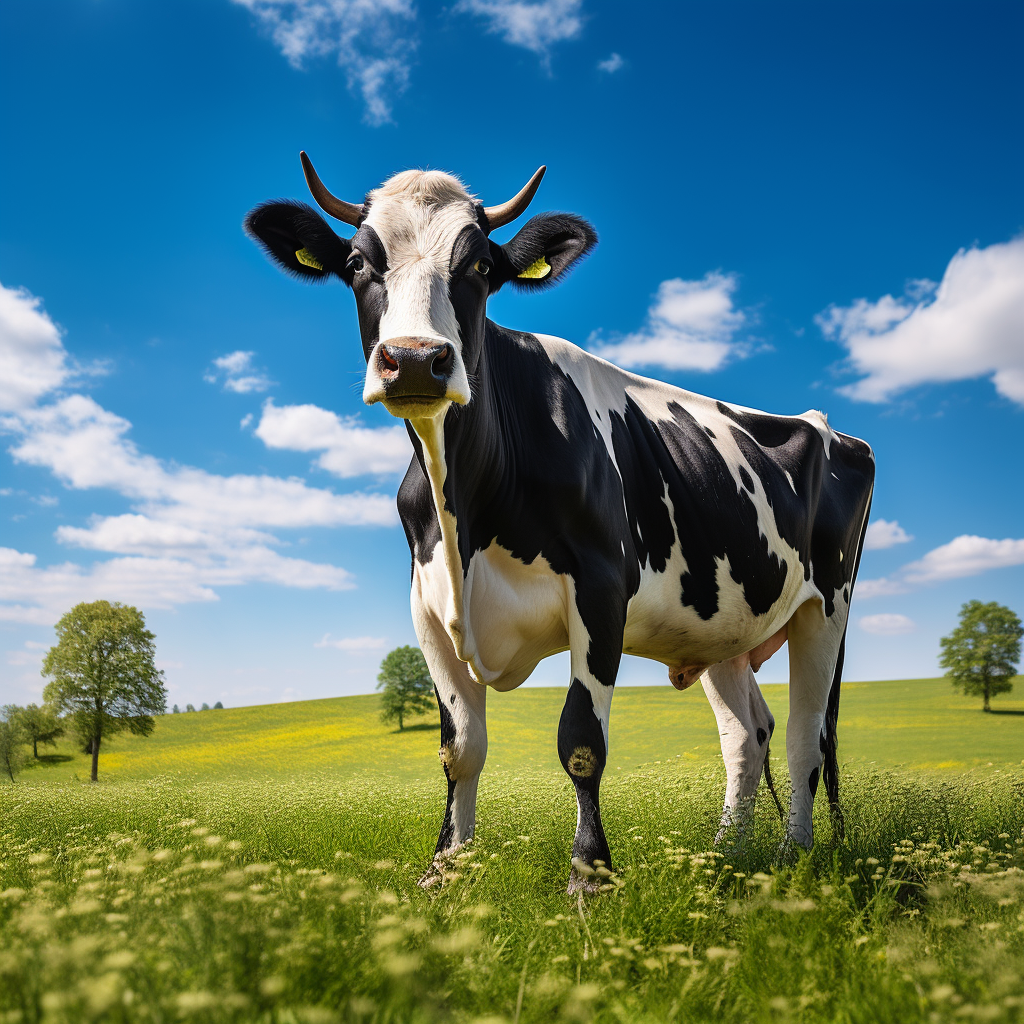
{"x": 545, "y": 250}
{"x": 298, "y": 239}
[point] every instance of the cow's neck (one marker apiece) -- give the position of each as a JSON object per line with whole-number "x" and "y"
{"x": 465, "y": 442}
{"x": 431, "y": 434}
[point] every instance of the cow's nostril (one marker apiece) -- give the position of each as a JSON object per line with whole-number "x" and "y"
{"x": 387, "y": 360}
{"x": 443, "y": 362}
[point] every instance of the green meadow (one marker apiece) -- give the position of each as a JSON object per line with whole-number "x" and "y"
{"x": 260, "y": 864}
{"x": 920, "y": 723}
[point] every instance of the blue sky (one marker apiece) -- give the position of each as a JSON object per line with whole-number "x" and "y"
{"x": 799, "y": 206}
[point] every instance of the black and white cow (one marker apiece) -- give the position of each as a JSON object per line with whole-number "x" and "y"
{"x": 557, "y": 502}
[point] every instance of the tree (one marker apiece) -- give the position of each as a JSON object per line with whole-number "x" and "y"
{"x": 176, "y": 710}
{"x": 39, "y": 725}
{"x": 408, "y": 688}
{"x": 218, "y": 706}
{"x": 189, "y": 707}
{"x": 102, "y": 673}
{"x": 981, "y": 654}
{"x": 11, "y": 739}
{"x": 205, "y": 707}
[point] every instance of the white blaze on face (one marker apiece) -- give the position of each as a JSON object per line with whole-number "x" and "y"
{"x": 418, "y": 215}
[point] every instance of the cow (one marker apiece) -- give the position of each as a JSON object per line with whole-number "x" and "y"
{"x": 557, "y": 502}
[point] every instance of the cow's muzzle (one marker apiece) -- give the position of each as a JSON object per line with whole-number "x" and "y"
{"x": 413, "y": 373}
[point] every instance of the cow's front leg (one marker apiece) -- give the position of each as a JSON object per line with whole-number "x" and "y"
{"x": 745, "y": 726}
{"x": 583, "y": 743}
{"x": 461, "y": 702}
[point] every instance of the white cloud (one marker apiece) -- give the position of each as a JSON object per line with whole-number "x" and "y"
{"x": 85, "y": 446}
{"x": 970, "y": 325}
{"x": 190, "y": 531}
{"x": 368, "y": 38}
{"x": 32, "y": 356}
{"x": 883, "y": 534}
{"x": 884, "y": 586}
{"x": 612, "y": 64}
{"x": 535, "y": 26}
{"x": 690, "y": 326}
{"x": 354, "y": 644}
{"x": 30, "y": 655}
{"x": 887, "y": 624}
{"x": 965, "y": 555}
{"x": 349, "y": 449}
{"x": 238, "y": 374}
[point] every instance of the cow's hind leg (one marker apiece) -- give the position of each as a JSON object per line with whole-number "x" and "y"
{"x": 815, "y": 645}
{"x": 461, "y": 702}
{"x": 583, "y": 744}
{"x": 745, "y": 726}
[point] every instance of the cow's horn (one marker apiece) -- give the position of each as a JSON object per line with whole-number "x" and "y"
{"x": 507, "y": 212}
{"x": 336, "y": 207}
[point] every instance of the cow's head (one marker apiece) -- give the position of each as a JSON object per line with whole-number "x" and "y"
{"x": 421, "y": 266}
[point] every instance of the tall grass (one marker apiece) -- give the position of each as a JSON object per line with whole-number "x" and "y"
{"x": 296, "y": 901}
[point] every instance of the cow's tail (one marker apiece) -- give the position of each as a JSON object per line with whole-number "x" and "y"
{"x": 771, "y": 784}
{"x": 830, "y": 761}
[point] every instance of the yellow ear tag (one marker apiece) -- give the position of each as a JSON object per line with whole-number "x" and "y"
{"x": 539, "y": 268}
{"x": 306, "y": 259}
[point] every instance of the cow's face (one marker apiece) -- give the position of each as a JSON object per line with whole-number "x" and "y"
{"x": 421, "y": 266}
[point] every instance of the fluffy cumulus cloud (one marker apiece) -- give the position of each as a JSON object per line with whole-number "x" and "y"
{"x": 237, "y": 372}
{"x": 535, "y": 26}
{"x": 690, "y": 326}
{"x": 970, "y": 325}
{"x": 612, "y": 64}
{"x": 966, "y": 555}
{"x": 32, "y": 356}
{"x": 347, "y": 448}
{"x": 887, "y": 624}
{"x": 883, "y": 534}
{"x": 370, "y": 39}
{"x": 353, "y": 644}
{"x": 187, "y": 531}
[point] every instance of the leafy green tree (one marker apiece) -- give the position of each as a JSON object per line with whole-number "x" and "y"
{"x": 176, "y": 710}
{"x": 981, "y": 654}
{"x": 12, "y": 737}
{"x": 205, "y": 707}
{"x": 189, "y": 707}
{"x": 218, "y": 706}
{"x": 408, "y": 688}
{"x": 102, "y": 673}
{"x": 40, "y": 725}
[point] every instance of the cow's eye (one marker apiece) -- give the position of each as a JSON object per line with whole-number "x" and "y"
{"x": 482, "y": 267}
{"x": 355, "y": 263}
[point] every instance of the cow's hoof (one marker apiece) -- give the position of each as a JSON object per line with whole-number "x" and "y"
{"x": 580, "y": 886}
{"x": 587, "y": 878}
{"x": 790, "y": 850}
{"x": 434, "y": 875}
{"x": 733, "y": 839}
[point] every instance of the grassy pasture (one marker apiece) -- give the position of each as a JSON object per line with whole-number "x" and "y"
{"x": 260, "y": 865}
{"x": 915, "y": 723}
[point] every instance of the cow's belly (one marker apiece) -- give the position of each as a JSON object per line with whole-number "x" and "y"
{"x": 659, "y": 626}
{"x": 513, "y": 614}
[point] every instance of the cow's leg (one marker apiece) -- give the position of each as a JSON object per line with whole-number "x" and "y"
{"x": 461, "y": 702}
{"x": 814, "y": 644}
{"x": 583, "y": 738}
{"x": 745, "y": 726}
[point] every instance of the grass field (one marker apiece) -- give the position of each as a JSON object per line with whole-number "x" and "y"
{"x": 260, "y": 864}
{"x": 914, "y": 723}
